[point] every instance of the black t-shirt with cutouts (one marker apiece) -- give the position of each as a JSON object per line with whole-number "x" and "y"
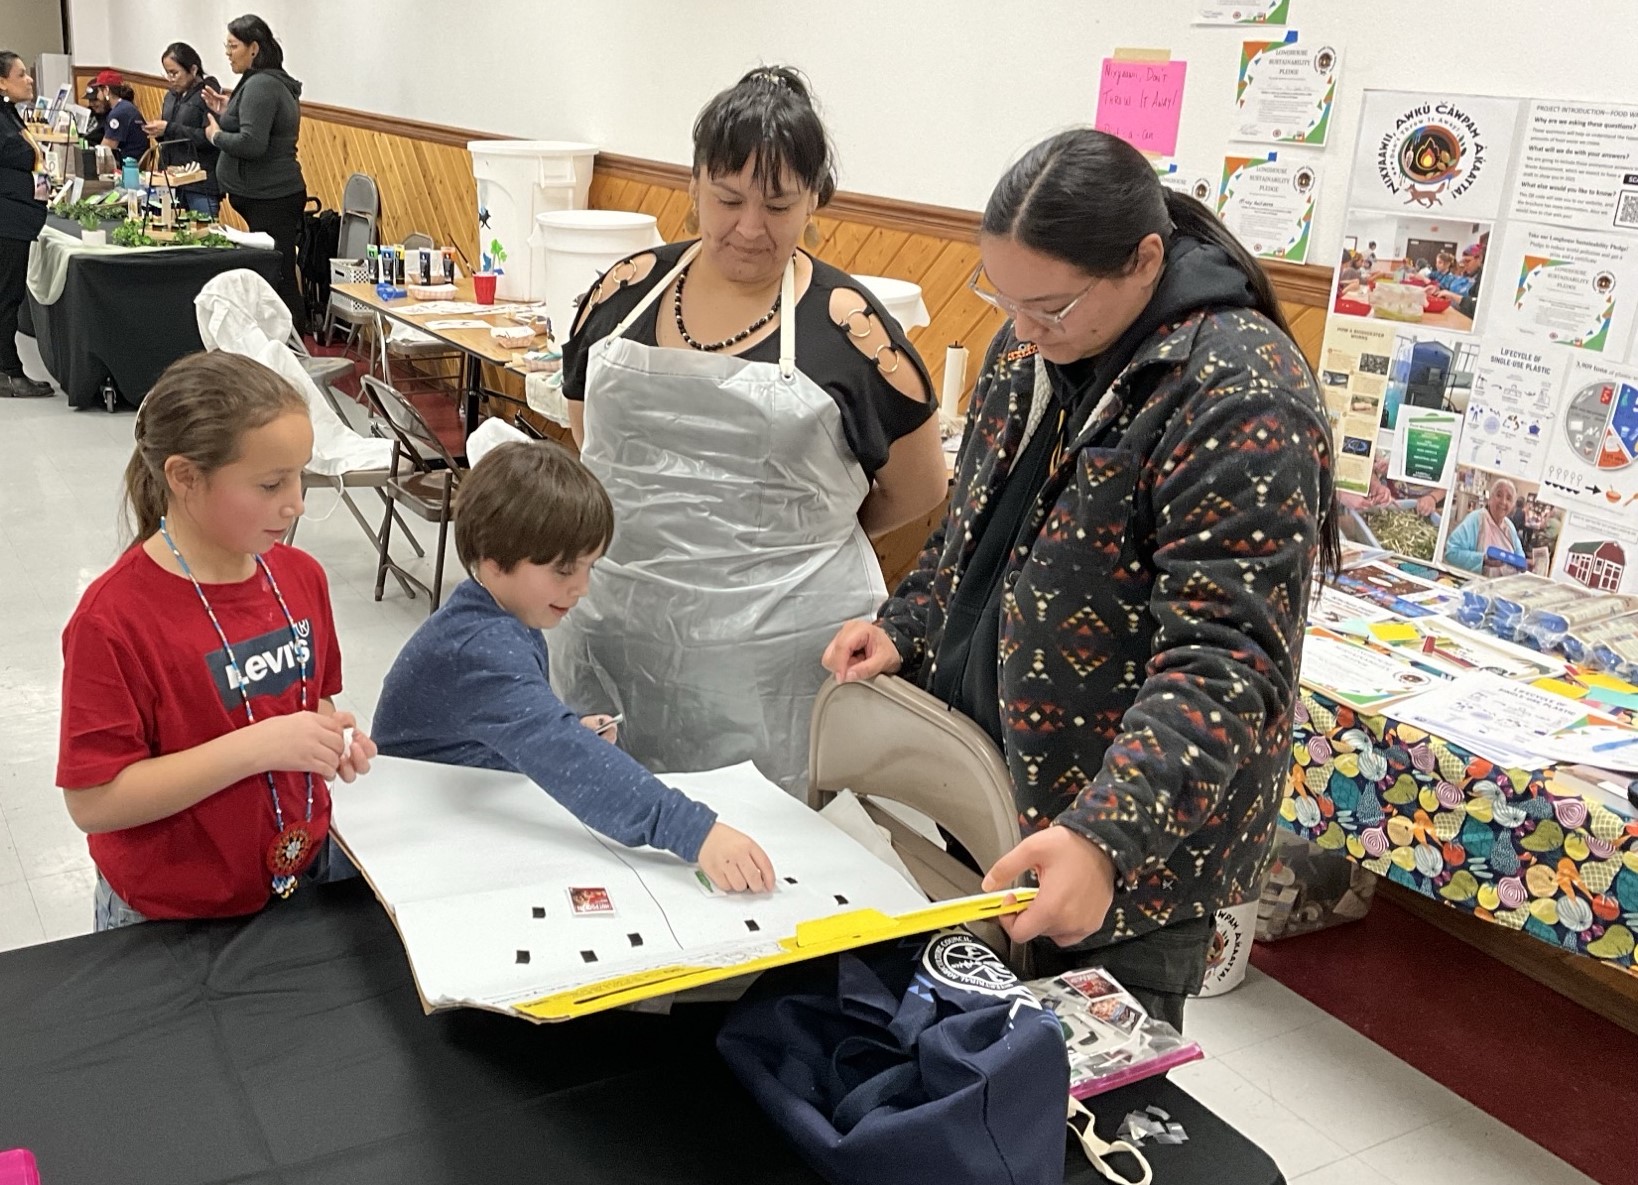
{"x": 875, "y": 413}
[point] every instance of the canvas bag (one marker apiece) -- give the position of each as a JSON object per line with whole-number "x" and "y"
{"x": 919, "y": 1060}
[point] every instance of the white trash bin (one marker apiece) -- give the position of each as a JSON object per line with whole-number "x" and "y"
{"x": 517, "y": 181}
{"x": 902, "y": 298}
{"x": 1230, "y": 952}
{"x": 577, "y": 246}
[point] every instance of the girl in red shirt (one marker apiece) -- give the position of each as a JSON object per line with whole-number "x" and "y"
{"x": 198, "y": 672}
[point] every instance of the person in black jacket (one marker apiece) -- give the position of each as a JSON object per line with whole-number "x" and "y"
{"x": 256, "y": 131}
{"x": 22, "y": 214}
{"x": 181, "y": 128}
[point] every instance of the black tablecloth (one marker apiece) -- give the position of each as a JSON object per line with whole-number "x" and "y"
{"x": 291, "y": 1049}
{"x": 128, "y": 316}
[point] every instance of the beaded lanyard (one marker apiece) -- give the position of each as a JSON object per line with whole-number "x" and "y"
{"x": 292, "y": 846}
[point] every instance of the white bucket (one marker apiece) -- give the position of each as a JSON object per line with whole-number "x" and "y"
{"x": 517, "y": 181}
{"x": 1230, "y": 952}
{"x": 901, "y": 297}
{"x": 577, "y": 246}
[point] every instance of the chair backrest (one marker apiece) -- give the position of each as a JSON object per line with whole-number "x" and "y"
{"x": 418, "y": 242}
{"x": 887, "y": 739}
{"x": 419, "y": 443}
{"x": 356, "y": 234}
{"x": 361, "y": 196}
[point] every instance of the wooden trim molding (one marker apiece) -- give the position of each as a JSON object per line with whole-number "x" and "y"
{"x": 1301, "y": 284}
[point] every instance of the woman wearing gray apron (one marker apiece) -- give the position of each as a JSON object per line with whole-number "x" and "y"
{"x": 753, "y": 413}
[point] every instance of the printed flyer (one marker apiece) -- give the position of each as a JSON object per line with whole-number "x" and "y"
{"x": 1285, "y": 91}
{"x": 1268, "y": 202}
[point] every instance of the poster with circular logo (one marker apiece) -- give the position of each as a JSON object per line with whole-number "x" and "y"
{"x": 1427, "y": 151}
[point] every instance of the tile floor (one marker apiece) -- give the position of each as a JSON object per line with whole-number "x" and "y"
{"x": 1330, "y": 1107}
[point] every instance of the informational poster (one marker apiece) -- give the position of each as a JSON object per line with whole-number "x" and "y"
{"x": 1268, "y": 202}
{"x": 1285, "y": 91}
{"x": 1200, "y": 184}
{"x": 1579, "y": 166}
{"x": 1512, "y": 408}
{"x": 1425, "y": 446}
{"x": 1253, "y": 12}
{"x": 1141, "y": 102}
{"x": 1335, "y": 609}
{"x": 1354, "y": 360}
{"x": 1598, "y": 551}
{"x": 1575, "y": 287}
{"x": 1431, "y": 151}
{"x": 1592, "y": 460}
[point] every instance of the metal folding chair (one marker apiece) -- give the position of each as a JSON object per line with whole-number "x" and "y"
{"x": 426, "y": 488}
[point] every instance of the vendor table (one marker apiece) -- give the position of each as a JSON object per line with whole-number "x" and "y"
{"x": 125, "y": 316}
{"x": 291, "y": 1049}
{"x": 477, "y": 348}
{"x": 1498, "y": 843}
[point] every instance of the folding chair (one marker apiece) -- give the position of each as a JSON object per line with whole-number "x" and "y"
{"x": 427, "y": 490}
{"x": 360, "y": 207}
{"x": 886, "y": 739}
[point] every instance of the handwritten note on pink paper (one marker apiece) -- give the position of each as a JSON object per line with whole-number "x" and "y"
{"x": 1141, "y": 102}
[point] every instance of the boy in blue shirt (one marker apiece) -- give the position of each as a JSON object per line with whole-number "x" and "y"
{"x": 470, "y": 687}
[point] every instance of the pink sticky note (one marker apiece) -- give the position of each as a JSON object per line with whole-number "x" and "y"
{"x": 1141, "y": 103}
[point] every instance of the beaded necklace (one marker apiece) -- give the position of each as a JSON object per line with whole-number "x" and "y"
{"x": 292, "y": 846}
{"x": 714, "y": 347}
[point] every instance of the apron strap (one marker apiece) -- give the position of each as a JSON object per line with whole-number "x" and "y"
{"x": 787, "y": 322}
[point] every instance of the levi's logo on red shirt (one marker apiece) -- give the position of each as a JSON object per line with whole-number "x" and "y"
{"x": 271, "y": 663}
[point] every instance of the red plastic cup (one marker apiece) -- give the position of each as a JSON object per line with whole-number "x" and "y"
{"x": 483, "y": 287}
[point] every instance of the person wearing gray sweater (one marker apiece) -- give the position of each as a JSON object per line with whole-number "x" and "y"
{"x": 256, "y": 130}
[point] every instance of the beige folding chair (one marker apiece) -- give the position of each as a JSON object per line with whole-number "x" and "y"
{"x": 886, "y": 739}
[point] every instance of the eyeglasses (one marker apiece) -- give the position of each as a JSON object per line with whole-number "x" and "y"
{"x": 1012, "y": 309}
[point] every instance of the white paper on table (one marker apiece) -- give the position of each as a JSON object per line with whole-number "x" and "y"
{"x": 1606, "y": 746}
{"x": 1361, "y": 675}
{"x": 456, "y": 323}
{"x": 447, "y": 308}
{"x": 463, "y": 858}
{"x": 1505, "y": 721}
{"x": 1335, "y": 610}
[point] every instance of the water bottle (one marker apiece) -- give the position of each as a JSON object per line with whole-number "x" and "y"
{"x": 129, "y": 176}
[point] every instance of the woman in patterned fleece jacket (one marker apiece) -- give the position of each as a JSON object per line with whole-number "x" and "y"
{"x": 1118, "y": 591}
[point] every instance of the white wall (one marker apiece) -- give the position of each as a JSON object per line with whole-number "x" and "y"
{"x": 928, "y": 100}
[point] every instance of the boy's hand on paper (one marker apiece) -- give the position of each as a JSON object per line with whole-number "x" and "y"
{"x": 735, "y": 862}
{"x": 1077, "y": 885}
{"x": 603, "y": 726}
{"x": 860, "y": 650}
{"x": 303, "y": 743}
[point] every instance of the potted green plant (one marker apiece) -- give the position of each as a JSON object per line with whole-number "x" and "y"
{"x": 91, "y": 232}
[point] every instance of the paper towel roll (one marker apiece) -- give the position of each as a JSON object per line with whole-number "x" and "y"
{"x": 955, "y": 382}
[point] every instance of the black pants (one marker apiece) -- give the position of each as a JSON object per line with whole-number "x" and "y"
{"x": 281, "y": 218}
{"x": 13, "y": 291}
{"x": 1161, "y": 969}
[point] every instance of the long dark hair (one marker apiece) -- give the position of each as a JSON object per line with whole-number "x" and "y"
{"x": 187, "y": 58}
{"x": 769, "y": 114}
{"x": 7, "y": 61}
{"x": 251, "y": 29}
{"x": 1089, "y": 198}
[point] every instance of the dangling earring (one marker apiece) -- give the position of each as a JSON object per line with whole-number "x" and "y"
{"x": 691, "y": 221}
{"x": 811, "y": 238}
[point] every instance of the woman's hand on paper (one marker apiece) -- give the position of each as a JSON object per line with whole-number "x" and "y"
{"x": 735, "y": 862}
{"x": 1077, "y": 885}
{"x": 861, "y": 650}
